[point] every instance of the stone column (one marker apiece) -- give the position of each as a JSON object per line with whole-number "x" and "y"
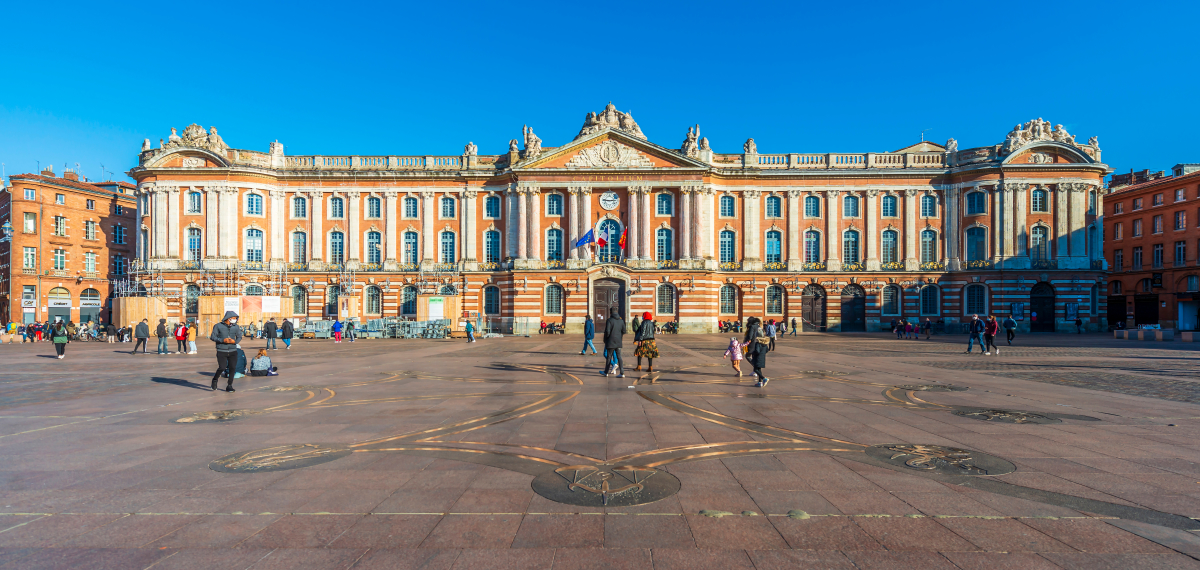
{"x": 998, "y": 220}
{"x": 1061, "y": 219}
{"x": 390, "y": 215}
{"x": 173, "y": 230}
{"x": 647, "y": 222}
{"x": 227, "y": 219}
{"x": 833, "y": 238}
{"x": 685, "y": 222}
{"x": 953, "y": 223}
{"x": 585, "y": 219}
{"x": 634, "y": 245}
{"x": 469, "y": 229}
{"x": 522, "y": 223}
{"x": 279, "y": 245}
{"x": 356, "y": 255}
{"x": 751, "y": 254}
{"x": 709, "y": 227}
{"x": 159, "y": 222}
{"x": 429, "y": 240}
{"x": 794, "y": 261}
{"x": 140, "y": 244}
{"x": 1021, "y": 227}
{"x": 699, "y": 222}
{"x": 316, "y": 241}
{"x": 912, "y": 261}
{"x": 872, "y": 239}
{"x": 512, "y": 224}
{"x": 533, "y": 243}
{"x": 572, "y": 232}
{"x": 1078, "y": 227}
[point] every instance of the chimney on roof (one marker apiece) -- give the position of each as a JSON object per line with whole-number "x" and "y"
{"x": 48, "y": 171}
{"x": 69, "y": 174}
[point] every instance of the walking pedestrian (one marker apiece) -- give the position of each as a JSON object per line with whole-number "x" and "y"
{"x": 37, "y": 330}
{"x": 927, "y": 327}
{"x": 759, "y": 344}
{"x": 470, "y": 331}
{"x": 111, "y": 332}
{"x": 898, "y": 328}
{"x": 193, "y": 330}
{"x": 350, "y": 330}
{"x": 589, "y": 333}
{"x": 644, "y": 340}
{"x": 60, "y": 336}
{"x": 793, "y": 326}
{"x": 337, "y": 330}
{"x": 270, "y": 331}
{"x": 990, "y": 329}
{"x": 636, "y": 323}
{"x": 1010, "y": 329}
{"x": 142, "y": 333}
{"x": 772, "y": 331}
{"x": 975, "y": 329}
{"x": 614, "y": 330}
{"x": 181, "y": 334}
{"x": 286, "y": 333}
{"x": 734, "y": 354}
{"x": 162, "y": 334}
{"x": 1078, "y": 325}
{"x": 226, "y": 335}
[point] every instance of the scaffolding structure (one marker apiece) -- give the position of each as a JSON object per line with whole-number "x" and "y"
{"x": 141, "y": 281}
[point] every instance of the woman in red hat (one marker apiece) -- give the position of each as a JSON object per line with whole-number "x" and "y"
{"x": 643, "y": 337}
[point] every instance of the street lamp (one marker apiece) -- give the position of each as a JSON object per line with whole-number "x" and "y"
{"x": 8, "y": 232}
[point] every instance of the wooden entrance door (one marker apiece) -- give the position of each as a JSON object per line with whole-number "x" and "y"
{"x": 812, "y": 308}
{"x": 854, "y": 309}
{"x": 1041, "y": 303}
{"x": 607, "y": 294}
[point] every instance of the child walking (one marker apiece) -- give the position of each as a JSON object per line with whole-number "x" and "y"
{"x": 734, "y": 354}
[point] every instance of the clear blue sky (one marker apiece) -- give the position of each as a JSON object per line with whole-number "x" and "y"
{"x": 86, "y": 82}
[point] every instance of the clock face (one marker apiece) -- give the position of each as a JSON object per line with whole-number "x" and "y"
{"x": 609, "y": 200}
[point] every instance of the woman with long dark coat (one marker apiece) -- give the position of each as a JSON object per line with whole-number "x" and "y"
{"x": 644, "y": 339}
{"x": 759, "y": 344}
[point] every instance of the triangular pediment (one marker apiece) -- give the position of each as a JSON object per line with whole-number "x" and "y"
{"x": 610, "y": 150}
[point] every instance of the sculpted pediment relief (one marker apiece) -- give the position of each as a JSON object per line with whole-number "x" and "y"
{"x": 609, "y": 154}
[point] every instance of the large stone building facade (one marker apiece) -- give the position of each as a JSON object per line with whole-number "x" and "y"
{"x": 837, "y": 241}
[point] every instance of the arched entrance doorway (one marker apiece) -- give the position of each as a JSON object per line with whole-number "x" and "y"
{"x": 1041, "y": 308}
{"x": 854, "y": 309}
{"x": 812, "y": 308}
{"x": 607, "y": 294}
{"x": 89, "y": 306}
{"x": 58, "y": 303}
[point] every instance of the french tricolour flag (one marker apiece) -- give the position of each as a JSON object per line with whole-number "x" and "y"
{"x": 603, "y": 239}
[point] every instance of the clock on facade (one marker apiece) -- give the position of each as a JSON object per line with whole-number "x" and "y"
{"x": 609, "y": 200}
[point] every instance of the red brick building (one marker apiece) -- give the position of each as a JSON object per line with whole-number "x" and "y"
{"x": 1152, "y": 242}
{"x": 70, "y": 238}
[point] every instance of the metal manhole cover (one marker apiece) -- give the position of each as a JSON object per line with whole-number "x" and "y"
{"x": 1006, "y": 416}
{"x": 941, "y": 459}
{"x": 279, "y": 458}
{"x": 605, "y": 485}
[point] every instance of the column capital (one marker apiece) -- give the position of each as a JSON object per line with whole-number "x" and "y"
{"x": 752, "y": 194}
{"x": 470, "y": 193}
{"x": 391, "y": 194}
{"x": 428, "y": 194}
{"x": 872, "y": 193}
{"x": 354, "y": 194}
{"x": 690, "y": 188}
{"x": 832, "y": 193}
{"x": 795, "y": 193}
{"x": 910, "y": 192}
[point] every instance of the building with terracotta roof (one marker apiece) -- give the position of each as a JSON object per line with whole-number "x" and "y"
{"x": 1152, "y": 244}
{"x": 70, "y": 239}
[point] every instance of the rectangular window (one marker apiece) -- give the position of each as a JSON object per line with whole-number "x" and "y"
{"x": 1158, "y": 199}
{"x": 1137, "y": 204}
{"x": 30, "y": 223}
{"x": 1158, "y": 256}
{"x": 119, "y": 210}
{"x": 1117, "y": 230}
{"x": 89, "y": 230}
{"x": 1157, "y": 221}
{"x": 30, "y": 194}
{"x": 491, "y": 207}
{"x": 30, "y": 258}
{"x": 60, "y": 226}
{"x": 1119, "y": 260}
{"x": 1137, "y": 258}
{"x": 118, "y": 264}
{"x": 91, "y": 204}
{"x": 193, "y": 204}
{"x": 1180, "y": 220}
{"x": 1179, "y": 197}
{"x": 60, "y": 199}
{"x": 1180, "y": 253}
{"x": 60, "y": 259}
{"x": 89, "y": 262}
{"x": 118, "y": 234}
{"x": 1137, "y": 228}
{"x": 663, "y": 245}
{"x": 1119, "y": 208}
{"x": 410, "y": 207}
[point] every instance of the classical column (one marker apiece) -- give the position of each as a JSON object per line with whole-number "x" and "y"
{"x": 354, "y": 241}
{"x": 428, "y": 215}
{"x": 1021, "y": 227}
{"x": 646, "y": 194}
{"x": 512, "y": 223}
{"x": 998, "y": 219}
{"x": 794, "y": 262}
{"x": 522, "y": 223}
{"x": 316, "y": 241}
{"x": 1078, "y": 228}
{"x": 635, "y": 222}
{"x": 390, "y": 215}
{"x": 159, "y": 223}
{"x": 585, "y": 218}
{"x": 212, "y": 211}
{"x": 1061, "y": 219}
{"x": 685, "y": 222}
{"x": 708, "y": 228}
{"x": 751, "y": 255}
{"x": 533, "y": 243}
{"x": 833, "y": 240}
{"x": 468, "y": 227}
{"x": 911, "y": 259}
{"x": 278, "y": 226}
{"x": 953, "y": 223}
{"x": 227, "y": 221}
{"x": 871, "y": 243}
{"x": 572, "y": 222}
{"x": 699, "y": 222}
{"x": 173, "y": 230}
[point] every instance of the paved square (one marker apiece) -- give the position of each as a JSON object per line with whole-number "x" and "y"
{"x": 863, "y": 451}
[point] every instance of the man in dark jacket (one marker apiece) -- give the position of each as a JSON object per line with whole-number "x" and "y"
{"x": 589, "y": 333}
{"x": 226, "y": 334}
{"x": 975, "y": 329}
{"x": 163, "y": 334}
{"x": 614, "y": 330}
{"x": 270, "y": 330}
{"x": 142, "y": 333}
{"x": 1010, "y": 327}
{"x": 286, "y": 334}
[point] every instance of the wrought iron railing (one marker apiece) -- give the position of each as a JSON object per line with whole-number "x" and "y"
{"x": 556, "y": 264}
{"x": 338, "y": 267}
{"x": 252, "y": 265}
{"x": 892, "y": 266}
{"x": 490, "y": 266}
{"x": 1044, "y": 264}
{"x": 444, "y": 267}
{"x": 933, "y": 266}
{"x": 858, "y": 266}
{"x": 730, "y": 266}
{"x": 298, "y": 266}
{"x": 408, "y": 267}
{"x": 814, "y": 266}
{"x": 370, "y": 267}
{"x": 668, "y": 264}
{"x": 775, "y": 266}
{"x": 978, "y": 264}
{"x": 190, "y": 264}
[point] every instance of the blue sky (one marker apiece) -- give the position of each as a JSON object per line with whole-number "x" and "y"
{"x": 86, "y": 82}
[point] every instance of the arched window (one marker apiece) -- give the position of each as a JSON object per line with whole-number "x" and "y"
{"x": 193, "y": 203}
{"x": 374, "y": 248}
{"x": 1116, "y": 288}
{"x": 554, "y": 245}
{"x": 374, "y": 209}
{"x": 554, "y": 204}
{"x": 812, "y": 207}
{"x": 888, "y": 246}
{"x": 448, "y": 290}
{"x": 976, "y": 203}
{"x": 889, "y": 206}
{"x": 774, "y": 207}
{"x": 976, "y": 304}
{"x": 299, "y": 301}
{"x": 337, "y": 208}
{"x": 1094, "y": 297}
{"x": 774, "y": 247}
{"x": 1092, "y": 202}
{"x": 728, "y": 207}
{"x": 1039, "y": 201}
{"x": 930, "y": 301}
{"x": 610, "y": 252}
{"x": 254, "y": 290}
{"x": 850, "y": 246}
{"x": 408, "y": 301}
{"x": 448, "y": 208}
{"x": 890, "y": 302}
{"x": 812, "y": 246}
{"x": 850, "y": 207}
{"x": 299, "y": 247}
{"x": 374, "y": 300}
{"x": 195, "y": 251}
{"x": 410, "y": 207}
{"x": 929, "y": 206}
{"x": 447, "y": 249}
{"x": 254, "y": 245}
{"x": 665, "y": 205}
{"x": 491, "y": 300}
{"x": 1039, "y": 243}
{"x": 491, "y": 246}
{"x": 254, "y": 205}
{"x": 1193, "y": 283}
{"x": 332, "y": 293}
{"x": 664, "y": 246}
{"x": 60, "y": 293}
{"x": 666, "y": 299}
{"x": 337, "y": 247}
{"x": 929, "y": 246}
{"x": 491, "y": 207}
{"x": 775, "y": 300}
{"x": 411, "y": 254}
{"x": 554, "y": 295}
{"x": 299, "y": 207}
{"x": 191, "y": 299}
{"x": 728, "y": 246}
{"x": 977, "y": 249}
{"x": 1147, "y": 286}
{"x": 729, "y": 296}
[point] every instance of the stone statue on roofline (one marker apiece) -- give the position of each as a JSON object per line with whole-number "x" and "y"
{"x": 750, "y": 147}
{"x": 215, "y": 143}
{"x": 1094, "y": 141}
{"x": 174, "y": 139}
{"x": 145, "y": 145}
{"x": 1036, "y": 130}
{"x": 951, "y": 145}
{"x": 690, "y": 148}
{"x": 533, "y": 144}
{"x": 610, "y": 118}
{"x": 471, "y": 149}
{"x": 512, "y": 145}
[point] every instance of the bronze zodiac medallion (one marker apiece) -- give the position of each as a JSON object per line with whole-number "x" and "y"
{"x": 279, "y": 458}
{"x": 605, "y": 485}
{"x": 941, "y": 459}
